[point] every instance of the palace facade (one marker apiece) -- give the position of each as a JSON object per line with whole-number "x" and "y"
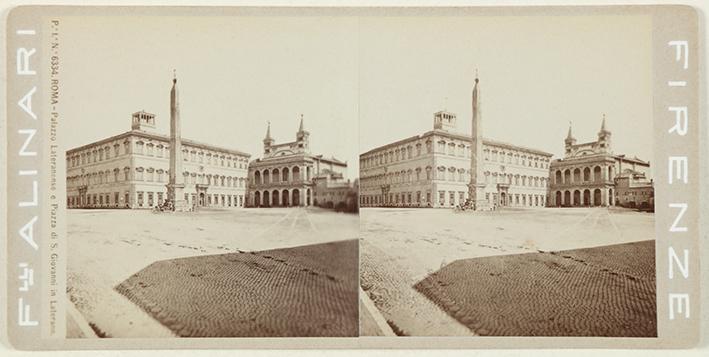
{"x": 131, "y": 170}
{"x": 432, "y": 170}
{"x": 589, "y": 173}
{"x": 286, "y": 174}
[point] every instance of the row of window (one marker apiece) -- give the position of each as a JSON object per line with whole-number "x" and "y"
{"x": 449, "y": 198}
{"x": 285, "y": 174}
{"x": 152, "y": 175}
{"x": 527, "y": 160}
{"x": 151, "y": 199}
{"x": 588, "y": 174}
{"x": 636, "y": 193}
{"x": 159, "y": 150}
{"x": 454, "y": 149}
{"x": 452, "y": 174}
{"x": 395, "y": 155}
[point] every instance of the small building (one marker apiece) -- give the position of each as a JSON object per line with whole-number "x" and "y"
{"x": 131, "y": 170}
{"x": 634, "y": 190}
{"x": 332, "y": 190}
{"x": 285, "y": 175}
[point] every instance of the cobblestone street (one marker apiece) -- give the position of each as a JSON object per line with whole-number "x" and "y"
{"x": 106, "y": 247}
{"x": 400, "y": 248}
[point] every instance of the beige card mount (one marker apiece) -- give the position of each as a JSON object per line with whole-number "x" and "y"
{"x": 232, "y": 177}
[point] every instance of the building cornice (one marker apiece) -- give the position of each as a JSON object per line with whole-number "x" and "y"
{"x": 597, "y": 158}
{"x": 159, "y": 137}
{"x": 488, "y": 142}
{"x": 295, "y": 158}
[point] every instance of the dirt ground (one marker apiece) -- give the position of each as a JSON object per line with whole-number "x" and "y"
{"x": 106, "y": 247}
{"x": 401, "y": 247}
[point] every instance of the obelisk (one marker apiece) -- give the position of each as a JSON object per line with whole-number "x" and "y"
{"x": 476, "y": 187}
{"x": 176, "y": 184}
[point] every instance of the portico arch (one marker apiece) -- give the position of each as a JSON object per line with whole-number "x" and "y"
{"x": 597, "y": 174}
{"x": 266, "y": 199}
{"x": 296, "y": 174}
{"x": 266, "y": 177}
{"x": 567, "y": 176}
{"x": 559, "y": 201}
{"x": 557, "y": 179}
{"x": 275, "y": 197}
{"x": 296, "y": 197}
{"x": 587, "y": 197}
{"x": 257, "y": 177}
{"x": 284, "y": 174}
{"x": 577, "y": 196}
{"x": 597, "y": 197}
{"x": 587, "y": 174}
{"x": 567, "y": 198}
{"x": 276, "y": 175}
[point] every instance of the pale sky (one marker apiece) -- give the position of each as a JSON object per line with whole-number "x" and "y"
{"x": 234, "y": 74}
{"x": 537, "y": 73}
{"x": 360, "y": 82}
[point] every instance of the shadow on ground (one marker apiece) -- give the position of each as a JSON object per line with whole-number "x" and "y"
{"x": 308, "y": 290}
{"x": 602, "y": 291}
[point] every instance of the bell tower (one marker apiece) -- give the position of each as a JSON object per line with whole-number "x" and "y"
{"x": 268, "y": 140}
{"x": 604, "y": 137}
{"x": 302, "y": 137}
{"x": 569, "y": 142}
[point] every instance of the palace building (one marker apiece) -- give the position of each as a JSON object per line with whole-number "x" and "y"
{"x": 131, "y": 170}
{"x": 287, "y": 174}
{"x": 433, "y": 170}
{"x": 589, "y": 174}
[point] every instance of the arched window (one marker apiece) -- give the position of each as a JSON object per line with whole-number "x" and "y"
{"x": 284, "y": 174}
{"x": 139, "y": 174}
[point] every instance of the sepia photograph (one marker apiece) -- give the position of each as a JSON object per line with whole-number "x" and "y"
{"x": 506, "y": 187}
{"x": 211, "y": 176}
{"x": 310, "y": 178}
